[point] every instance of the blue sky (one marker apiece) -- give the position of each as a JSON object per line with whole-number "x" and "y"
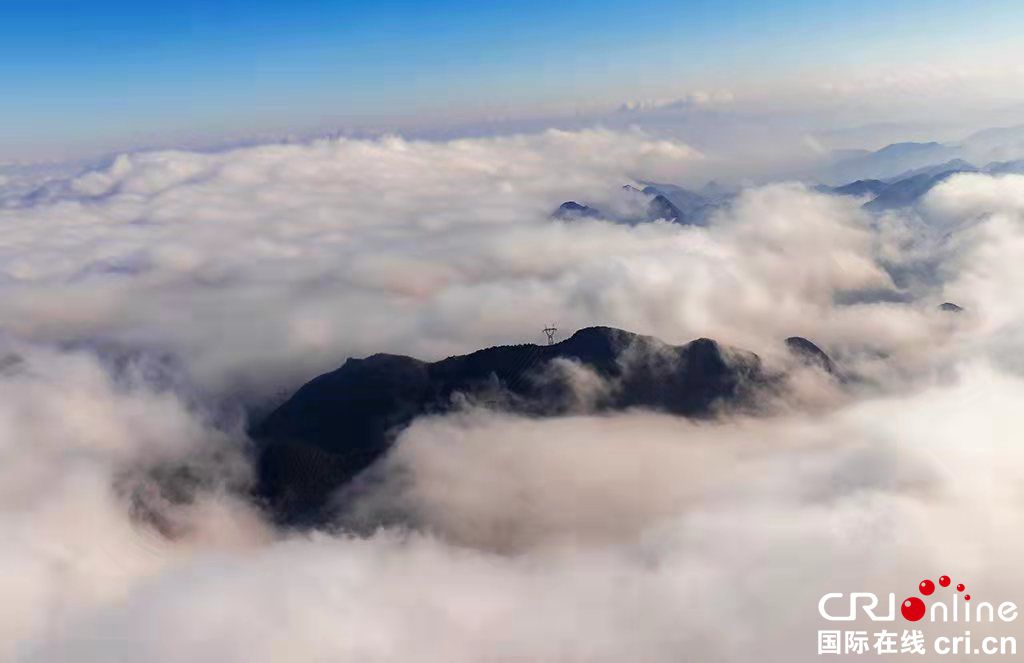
{"x": 106, "y": 73}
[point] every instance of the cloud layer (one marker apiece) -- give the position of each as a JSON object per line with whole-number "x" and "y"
{"x": 143, "y": 302}
{"x": 263, "y": 265}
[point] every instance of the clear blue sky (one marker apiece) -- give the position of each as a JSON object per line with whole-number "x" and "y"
{"x": 101, "y": 71}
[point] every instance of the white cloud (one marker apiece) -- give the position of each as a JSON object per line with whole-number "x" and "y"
{"x": 635, "y": 536}
{"x": 694, "y": 99}
{"x": 300, "y": 252}
{"x": 263, "y": 265}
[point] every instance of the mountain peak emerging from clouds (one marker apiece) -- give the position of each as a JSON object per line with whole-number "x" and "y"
{"x": 573, "y": 210}
{"x": 339, "y": 423}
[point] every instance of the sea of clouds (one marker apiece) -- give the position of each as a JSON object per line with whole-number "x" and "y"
{"x": 150, "y": 306}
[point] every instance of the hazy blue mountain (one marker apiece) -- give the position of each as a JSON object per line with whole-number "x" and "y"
{"x": 859, "y": 188}
{"x": 953, "y": 165}
{"x": 901, "y": 194}
{"x": 570, "y": 210}
{"x": 687, "y": 201}
{"x": 906, "y": 192}
{"x": 995, "y": 144}
{"x": 888, "y": 162}
{"x": 1015, "y": 167}
{"x": 661, "y": 207}
{"x": 652, "y": 203}
{"x": 1000, "y": 147}
{"x": 693, "y": 208}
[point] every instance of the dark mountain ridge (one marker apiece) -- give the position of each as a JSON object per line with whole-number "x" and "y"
{"x": 666, "y": 202}
{"x": 339, "y": 423}
{"x": 810, "y": 354}
{"x": 571, "y": 209}
{"x": 661, "y": 207}
{"x": 690, "y": 208}
{"x": 906, "y": 192}
{"x": 903, "y": 191}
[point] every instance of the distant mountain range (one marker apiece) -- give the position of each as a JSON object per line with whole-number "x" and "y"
{"x": 571, "y": 210}
{"x": 893, "y": 177}
{"x": 667, "y": 202}
{"x": 338, "y": 424}
{"x": 903, "y": 160}
{"x": 888, "y": 162}
{"x": 674, "y": 203}
{"x": 906, "y": 188}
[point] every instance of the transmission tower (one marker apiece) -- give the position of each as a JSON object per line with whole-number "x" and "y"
{"x": 550, "y": 331}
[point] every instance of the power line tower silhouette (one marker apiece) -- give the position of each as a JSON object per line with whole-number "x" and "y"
{"x": 550, "y": 331}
